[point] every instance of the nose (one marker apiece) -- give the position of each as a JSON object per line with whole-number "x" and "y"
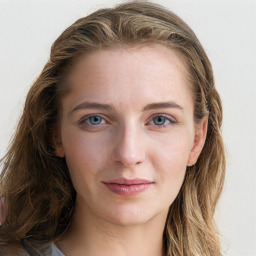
{"x": 129, "y": 147}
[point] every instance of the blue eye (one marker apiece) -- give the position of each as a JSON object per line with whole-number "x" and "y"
{"x": 160, "y": 120}
{"x": 95, "y": 120}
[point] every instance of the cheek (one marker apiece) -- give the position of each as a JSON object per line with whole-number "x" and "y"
{"x": 170, "y": 162}
{"x": 84, "y": 155}
{"x": 172, "y": 151}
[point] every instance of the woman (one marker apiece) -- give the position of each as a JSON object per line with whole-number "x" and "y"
{"x": 118, "y": 150}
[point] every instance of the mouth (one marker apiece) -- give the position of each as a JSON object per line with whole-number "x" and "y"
{"x": 128, "y": 187}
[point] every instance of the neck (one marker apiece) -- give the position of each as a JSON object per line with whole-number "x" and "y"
{"x": 92, "y": 236}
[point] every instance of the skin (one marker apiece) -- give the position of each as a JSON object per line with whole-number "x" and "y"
{"x": 129, "y": 138}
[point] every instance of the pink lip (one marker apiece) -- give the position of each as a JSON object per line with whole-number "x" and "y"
{"x": 127, "y": 187}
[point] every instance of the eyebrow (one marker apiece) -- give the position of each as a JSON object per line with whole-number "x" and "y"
{"x": 107, "y": 107}
{"x": 168, "y": 104}
{"x": 93, "y": 105}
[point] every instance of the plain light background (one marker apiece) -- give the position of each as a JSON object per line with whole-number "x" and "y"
{"x": 227, "y": 30}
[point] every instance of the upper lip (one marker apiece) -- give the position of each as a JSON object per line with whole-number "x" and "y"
{"x": 124, "y": 181}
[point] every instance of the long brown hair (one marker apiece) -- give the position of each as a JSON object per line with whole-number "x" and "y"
{"x": 36, "y": 183}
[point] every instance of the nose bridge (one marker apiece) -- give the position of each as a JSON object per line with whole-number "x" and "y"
{"x": 129, "y": 149}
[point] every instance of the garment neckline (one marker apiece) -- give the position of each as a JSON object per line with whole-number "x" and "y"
{"x": 56, "y": 250}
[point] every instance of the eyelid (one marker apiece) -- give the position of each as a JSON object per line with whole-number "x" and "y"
{"x": 167, "y": 116}
{"x": 82, "y": 120}
{"x": 107, "y": 120}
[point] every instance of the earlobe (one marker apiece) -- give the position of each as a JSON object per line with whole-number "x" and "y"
{"x": 58, "y": 147}
{"x": 59, "y": 151}
{"x": 199, "y": 141}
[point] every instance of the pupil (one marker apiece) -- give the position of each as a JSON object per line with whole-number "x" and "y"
{"x": 95, "y": 120}
{"x": 159, "y": 120}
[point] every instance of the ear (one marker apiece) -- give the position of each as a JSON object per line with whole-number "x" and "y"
{"x": 57, "y": 144}
{"x": 199, "y": 140}
{"x": 59, "y": 151}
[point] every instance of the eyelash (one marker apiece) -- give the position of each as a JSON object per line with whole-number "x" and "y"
{"x": 168, "y": 118}
{"x": 86, "y": 120}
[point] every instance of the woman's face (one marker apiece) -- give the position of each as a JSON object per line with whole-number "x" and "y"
{"x": 128, "y": 133}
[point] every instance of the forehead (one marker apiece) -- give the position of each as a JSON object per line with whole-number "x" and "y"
{"x": 124, "y": 73}
{"x": 154, "y": 55}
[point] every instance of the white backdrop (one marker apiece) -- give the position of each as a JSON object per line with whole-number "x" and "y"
{"x": 227, "y": 30}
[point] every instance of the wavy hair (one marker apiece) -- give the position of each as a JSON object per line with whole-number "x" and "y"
{"x": 36, "y": 183}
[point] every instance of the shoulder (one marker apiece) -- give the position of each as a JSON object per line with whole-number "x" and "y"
{"x": 31, "y": 248}
{"x": 41, "y": 248}
{"x": 37, "y": 248}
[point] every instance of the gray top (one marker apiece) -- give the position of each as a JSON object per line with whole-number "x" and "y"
{"x": 47, "y": 249}
{"x": 55, "y": 251}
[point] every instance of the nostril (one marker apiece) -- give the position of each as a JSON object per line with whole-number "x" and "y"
{"x": 130, "y": 160}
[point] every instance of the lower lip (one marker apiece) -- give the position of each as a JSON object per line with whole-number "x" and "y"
{"x": 127, "y": 190}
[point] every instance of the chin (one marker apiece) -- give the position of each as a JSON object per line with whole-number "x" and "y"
{"x": 129, "y": 216}
{"x": 126, "y": 221}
